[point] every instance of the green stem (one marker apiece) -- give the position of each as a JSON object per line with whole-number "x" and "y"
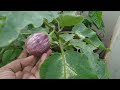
{"x": 46, "y": 23}
{"x": 58, "y": 24}
{"x": 63, "y": 57}
{"x": 51, "y": 27}
{"x": 50, "y": 35}
{"x": 1, "y": 53}
{"x": 59, "y": 28}
{"x": 61, "y": 47}
{"x": 52, "y": 32}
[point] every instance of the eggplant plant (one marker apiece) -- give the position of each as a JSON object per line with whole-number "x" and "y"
{"x": 71, "y": 35}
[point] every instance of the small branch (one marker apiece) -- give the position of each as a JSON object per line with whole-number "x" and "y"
{"x": 63, "y": 57}
{"x": 59, "y": 28}
{"x": 46, "y": 23}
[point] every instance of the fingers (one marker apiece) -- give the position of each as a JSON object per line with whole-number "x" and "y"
{"x": 27, "y": 61}
{"x": 31, "y": 77}
{"x": 7, "y": 75}
{"x": 27, "y": 69}
{"x": 19, "y": 64}
{"x": 36, "y": 68}
{"x": 26, "y": 64}
{"x": 19, "y": 75}
{"x": 41, "y": 60}
{"x": 37, "y": 75}
{"x": 33, "y": 63}
{"x": 23, "y": 54}
{"x": 49, "y": 52}
{"x": 28, "y": 75}
{"x": 43, "y": 57}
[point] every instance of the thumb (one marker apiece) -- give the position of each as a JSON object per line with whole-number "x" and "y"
{"x": 19, "y": 64}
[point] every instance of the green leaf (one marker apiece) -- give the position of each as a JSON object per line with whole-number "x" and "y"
{"x": 69, "y": 13}
{"x": 10, "y": 55}
{"x": 1, "y": 64}
{"x": 2, "y": 21}
{"x": 52, "y": 68}
{"x": 49, "y": 15}
{"x": 1, "y": 53}
{"x": 88, "y": 35}
{"x": 35, "y": 30}
{"x": 67, "y": 36}
{"x": 6, "y": 56}
{"x": 103, "y": 70}
{"x": 87, "y": 21}
{"x": 17, "y": 20}
{"x": 96, "y": 17}
{"x": 99, "y": 66}
{"x": 69, "y": 20}
{"x": 15, "y": 54}
{"x": 73, "y": 66}
{"x": 82, "y": 45}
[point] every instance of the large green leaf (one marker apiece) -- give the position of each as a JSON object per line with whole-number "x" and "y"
{"x": 10, "y": 55}
{"x": 17, "y": 20}
{"x": 69, "y": 13}
{"x": 7, "y": 54}
{"x": 69, "y": 20}
{"x": 82, "y": 45}
{"x": 67, "y": 36}
{"x": 2, "y": 21}
{"x": 103, "y": 70}
{"x": 72, "y": 65}
{"x": 34, "y": 30}
{"x": 1, "y": 53}
{"x": 15, "y": 54}
{"x": 49, "y": 15}
{"x": 96, "y": 17}
{"x": 99, "y": 66}
{"x": 88, "y": 35}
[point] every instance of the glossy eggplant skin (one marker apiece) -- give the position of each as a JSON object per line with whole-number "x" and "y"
{"x": 37, "y": 44}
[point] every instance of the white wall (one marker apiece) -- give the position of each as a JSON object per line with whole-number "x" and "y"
{"x": 110, "y": 19}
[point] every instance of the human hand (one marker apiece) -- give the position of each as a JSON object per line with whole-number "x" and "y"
{"x": 24, "y": 67}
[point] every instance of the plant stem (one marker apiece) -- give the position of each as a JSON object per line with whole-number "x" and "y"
{"x": 52, "y": 32}
{"x": 59, "y": 28}
{"x": 58, "y": 24}
{"x": 46, "y": 23}
{"x": 60, "y": 43}
{"x": 50, "y": 35}
{"x": 63, "y": 57}
{"x": 52, "y": 27}
{"x": 61, "y": 47}
{"x": 1, "y": 53}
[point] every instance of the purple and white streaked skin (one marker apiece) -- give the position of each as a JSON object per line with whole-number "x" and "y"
{"x": 37, "y": 44}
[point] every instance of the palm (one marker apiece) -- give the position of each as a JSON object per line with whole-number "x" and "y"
{"x": 23, "y": 68}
